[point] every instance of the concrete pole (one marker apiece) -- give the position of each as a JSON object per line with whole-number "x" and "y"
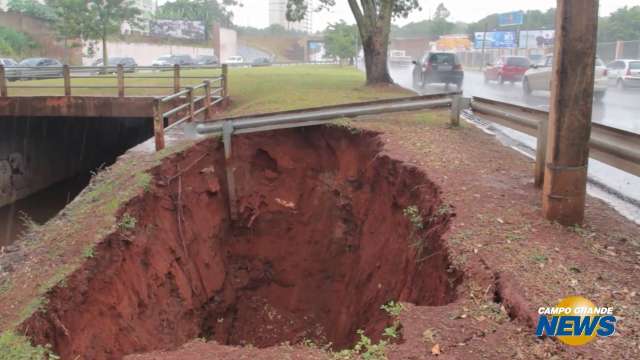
{"x": 120, "y": 77}
{"x": 619, "y": 49}
{"x": 3, "y": 82}
{"x": 158, "y": 124}
{"x": 176, "y": 78}
{"x": 66, "y": 74}
{"x": 570, "y": 115}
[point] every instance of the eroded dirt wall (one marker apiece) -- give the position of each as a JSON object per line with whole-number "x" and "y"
{"x": 320, "y": 243}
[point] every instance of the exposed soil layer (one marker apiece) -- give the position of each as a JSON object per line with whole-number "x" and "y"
{"x": 320, "y": 243}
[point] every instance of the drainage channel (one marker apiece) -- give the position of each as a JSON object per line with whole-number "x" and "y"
{"x": 46, "y": 162}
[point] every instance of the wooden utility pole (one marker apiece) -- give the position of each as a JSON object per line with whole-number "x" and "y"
{"x": 565, "y": 180}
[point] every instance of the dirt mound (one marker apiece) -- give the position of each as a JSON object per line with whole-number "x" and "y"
{"x": 329, "y": 229}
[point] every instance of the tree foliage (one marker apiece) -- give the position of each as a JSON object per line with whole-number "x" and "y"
{"x": 533, "y": 20}
{"x": 206, "y": 11}
{"x": 373, "y": 19}
{"x": 340, "y": 40}
{"x": 32, "y": 8}
{"x": 16, "y": 44}
{"x": 623, "y": 24}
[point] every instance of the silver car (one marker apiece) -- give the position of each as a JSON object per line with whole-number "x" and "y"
{"x": 39, "y": 68}
{"x": 538, "y": 77}
{"x": 10, "y": 72}
{"x": 624, "y": 73}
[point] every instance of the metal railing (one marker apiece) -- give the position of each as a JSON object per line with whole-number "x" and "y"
{"x": 121, "y": 78}
{"x": 187, "y": 105}
{"x": 615, "y": 147}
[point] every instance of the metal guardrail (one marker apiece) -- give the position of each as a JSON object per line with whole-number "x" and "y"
{"x": 615, "y": 147}
{"x": 118, "y": 73}
{"x": 321, "y": 115}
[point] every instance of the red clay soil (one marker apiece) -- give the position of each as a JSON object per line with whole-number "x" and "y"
{"x": 320, "y": 243}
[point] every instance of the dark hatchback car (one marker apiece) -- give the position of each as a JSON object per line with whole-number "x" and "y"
{"x": 206, "y": 60}
{"x": 438, "y": 67}
{"x": 128, "y": 64}
{"x": 261, "y": 61}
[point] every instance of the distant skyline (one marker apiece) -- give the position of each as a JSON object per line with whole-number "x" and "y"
{"x": 255, "y": 13}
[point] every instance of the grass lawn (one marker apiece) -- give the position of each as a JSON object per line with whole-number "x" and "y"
{"x": 267, "y": 89}
{"x": 252, "y": 90}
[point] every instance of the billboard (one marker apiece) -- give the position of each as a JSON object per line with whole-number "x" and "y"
{"x": 511, "y": 19}
{"x": 536, "y": 39}
{"x": 180, "y": 29}
{"x": 495, "y": 40}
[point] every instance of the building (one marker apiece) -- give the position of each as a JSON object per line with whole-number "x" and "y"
{"x": 278, "y": 16}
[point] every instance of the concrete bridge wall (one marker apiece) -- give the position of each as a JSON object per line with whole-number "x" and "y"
{"x": 37, "y": 152}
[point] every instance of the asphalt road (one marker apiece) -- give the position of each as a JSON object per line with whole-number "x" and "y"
{"x": 619, "y": 108}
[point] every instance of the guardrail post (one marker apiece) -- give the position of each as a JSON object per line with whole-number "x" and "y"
{"x": 176, "y": 78}
{"x": 66, "y": 73}
{"x": 456, "y": 107}
{"x": 158, "y": 124}
{"x": 3, "y": 82}
{"x": 225, "y": 83}
{"x": 541, "y": 152}
{"x": 120, "y": 74}
{"x": 207, "y": 99}
{"x": 191, "y": 104}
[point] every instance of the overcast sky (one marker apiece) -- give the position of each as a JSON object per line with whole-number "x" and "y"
{"x": 255, "y": 12}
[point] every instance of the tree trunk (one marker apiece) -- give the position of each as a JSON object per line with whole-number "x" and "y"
{"x": 104, "y": 49}
{"x": 375, "y": 46}
{"x": 374, "y": 25}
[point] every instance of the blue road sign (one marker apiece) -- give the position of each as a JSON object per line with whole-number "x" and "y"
{"x": 511, "y": 19}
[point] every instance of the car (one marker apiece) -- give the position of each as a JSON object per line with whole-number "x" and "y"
{"x": 438, "y": 67}
{"x": 206, "y": 60}
{"x": 34, "y": 68}
{"x": 507, "y": 68}
{"x": 9, "y": 73}
{"x": 536, "y": 59}
{"x": 128, "y": 64}
{"x": 624, "y": 73}
{"x": 399, "y": 58}
{"x": 539, "y": 78}
{"x": 235, "y": 60}
{"x": 170, "y": 60}
{"x": 261, "y": 61}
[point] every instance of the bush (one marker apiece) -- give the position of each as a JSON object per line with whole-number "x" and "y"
{"x": 15, "y": 43}
{"x": 32, "y": 8}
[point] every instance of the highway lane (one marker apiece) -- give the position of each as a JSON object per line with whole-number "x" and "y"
{"x": 619, "y": 108}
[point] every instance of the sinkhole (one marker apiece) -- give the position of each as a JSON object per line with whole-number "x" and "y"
{"x": 322, "y": 239}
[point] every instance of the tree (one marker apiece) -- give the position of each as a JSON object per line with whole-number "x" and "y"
{"x": 340, "y": 40}
{"x": 623, "y": 24}
{"x": 373, "y": 19}
{"x": 71, "y": 19}
{"x": 533, "y": 20}
{"x": 206, "y": 11}
{"x": 105, "y": 18}
{"x": 32, "y": 8}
